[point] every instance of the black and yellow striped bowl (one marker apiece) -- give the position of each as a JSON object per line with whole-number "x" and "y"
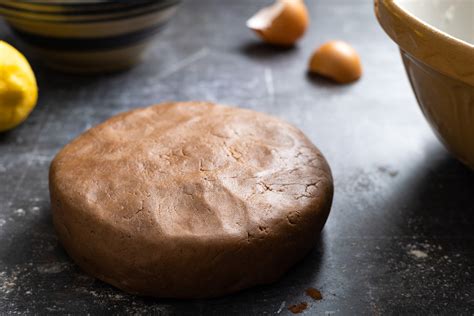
{"x": 88, "y": 36}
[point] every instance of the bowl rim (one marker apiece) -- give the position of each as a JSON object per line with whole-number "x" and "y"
{"x": 101, "y": 17}
{"x": 74, "y": 2}
{"x": 439, "y": 50}
{"x": 87, "y": 8}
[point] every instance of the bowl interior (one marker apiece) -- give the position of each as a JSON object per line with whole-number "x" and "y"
{"x": 453, "y": 17}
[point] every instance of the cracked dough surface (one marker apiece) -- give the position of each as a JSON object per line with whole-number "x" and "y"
{"x": 189, "y": 199}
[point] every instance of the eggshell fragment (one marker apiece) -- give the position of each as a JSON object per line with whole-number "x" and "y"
{"x": 336, "y": 60}
{"x": 282, "y": 23}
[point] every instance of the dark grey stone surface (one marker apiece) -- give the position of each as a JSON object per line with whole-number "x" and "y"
{"x": 400, "y": 239}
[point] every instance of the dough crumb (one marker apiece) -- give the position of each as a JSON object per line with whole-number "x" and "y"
{"x": 298, "y": 308}
{"x": 314, "y": 293}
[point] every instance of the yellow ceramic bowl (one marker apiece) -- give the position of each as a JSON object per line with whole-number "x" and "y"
{"x": 436, "y": 42}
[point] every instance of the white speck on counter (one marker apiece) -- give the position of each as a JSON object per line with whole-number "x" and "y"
{"x": 8, "y": 281}
{"x": 269, "y": 83}
{"x": 49, "y": 268}
{"x": 2, "y": 222}
{"x": 20, "y": 212}
{"x": 200, "y": 54}
{"x": 419, "y": 254}
{"x": 35, "y": 209}
{"x": 282, "y": 305}
{"x": 94, "y": 293}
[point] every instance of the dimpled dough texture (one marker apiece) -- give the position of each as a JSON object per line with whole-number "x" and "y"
{"x": 189, "y": 200}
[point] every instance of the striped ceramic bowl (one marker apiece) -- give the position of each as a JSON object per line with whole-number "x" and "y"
{"x": 88, "y": 36}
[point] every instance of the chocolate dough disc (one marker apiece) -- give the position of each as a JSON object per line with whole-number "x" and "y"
{"x": 189, "y": 200}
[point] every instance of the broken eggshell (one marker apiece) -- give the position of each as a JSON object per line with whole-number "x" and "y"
{"x": 336, "y": 60}
{"x": 282, "y": 23}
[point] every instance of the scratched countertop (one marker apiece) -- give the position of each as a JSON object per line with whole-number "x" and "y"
{"x": 400, "y": 237}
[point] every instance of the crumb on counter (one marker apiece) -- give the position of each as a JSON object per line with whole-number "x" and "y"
{"x": 314, "y": 293}
{"x": 298, "y": 308}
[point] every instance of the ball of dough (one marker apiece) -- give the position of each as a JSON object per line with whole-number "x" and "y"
{"x": 189, "y": 200}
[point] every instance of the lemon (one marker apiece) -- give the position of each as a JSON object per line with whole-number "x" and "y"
{"x": 18, "y": 89}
